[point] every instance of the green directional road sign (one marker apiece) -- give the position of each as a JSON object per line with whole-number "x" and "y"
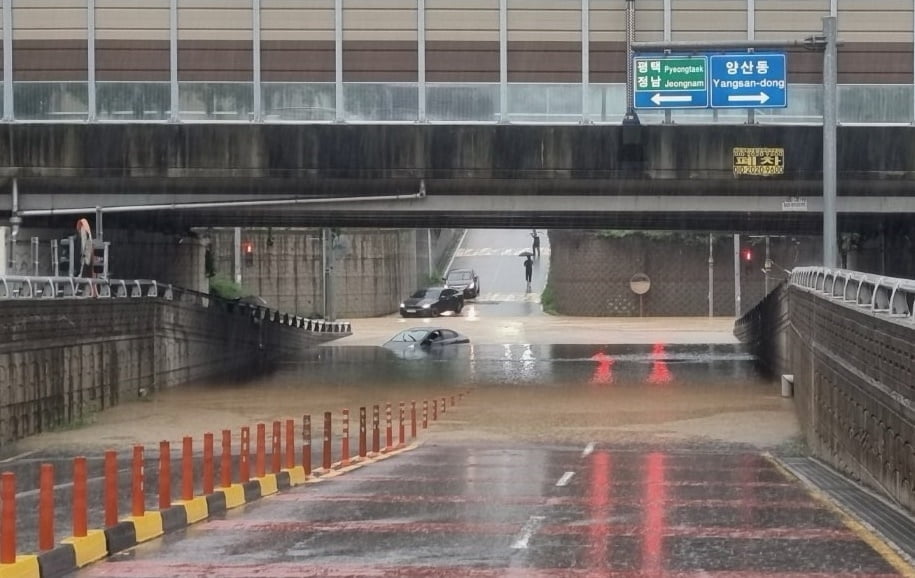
{"x": 671, "y": 82}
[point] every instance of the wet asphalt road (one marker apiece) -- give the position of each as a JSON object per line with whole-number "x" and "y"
{"x": 491, "y": 510}
{"x": 493, "y": 254}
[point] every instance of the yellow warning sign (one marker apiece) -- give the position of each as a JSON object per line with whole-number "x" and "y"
{"x": 765, "y": 161}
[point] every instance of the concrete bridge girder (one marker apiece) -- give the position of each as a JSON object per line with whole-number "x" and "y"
{"x": 474, "y": 173}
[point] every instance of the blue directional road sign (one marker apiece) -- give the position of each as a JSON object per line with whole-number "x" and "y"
{"x": 663, "y": 82}
{"x": 748, "y": 81}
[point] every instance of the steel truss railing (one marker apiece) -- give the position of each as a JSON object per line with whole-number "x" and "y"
{"x": 884, "y": 295}
{"x": 24, "y": 287}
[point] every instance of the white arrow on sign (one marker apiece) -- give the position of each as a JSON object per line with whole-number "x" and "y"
{"x": 761, "y": 98}
{"x": 659, "y": 99}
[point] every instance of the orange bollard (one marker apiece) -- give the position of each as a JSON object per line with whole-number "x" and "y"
{"x": 363, "y": 450}
{"x": 444, "y": 406}
{"x": 225, "y": 465}
{"x": 46, "y": 508}
{"x": 290, "y": 444}
{"x": 260, "y": 463}
{"x": 306, "y": 444}
{"x": 80, "y": 502}
{"x": 187, "y": 468}
{"x": 412, "y": 420}
{"x": 111, "y": 488}
{"x": 389, "y": 433}
{"x": 434, "y": 410}
{"x": 276, "y": 452}
{"x": 376, "y": 427}
{"x": 401, "y": 426}
{"x": 8, "y": 518}
{"x": 138, "y": 499}
{"x": 165, "y": 475}
{"x": 208, "y": 465}
{"x": 328, "y": 432}
{"x": 425, "y": 414}
{"x": 244, "y": 468}
{"x": 344, "y": 444}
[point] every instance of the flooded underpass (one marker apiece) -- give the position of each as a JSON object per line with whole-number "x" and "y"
{"x": 564, "y": 460}
{"x": 626, "y": 447}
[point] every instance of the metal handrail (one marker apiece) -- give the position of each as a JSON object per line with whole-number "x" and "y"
{"x": 883, "y": 295}
{"x": 21, "y": 287}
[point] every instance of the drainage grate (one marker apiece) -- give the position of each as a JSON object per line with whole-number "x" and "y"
{"x": 890, "y": 521}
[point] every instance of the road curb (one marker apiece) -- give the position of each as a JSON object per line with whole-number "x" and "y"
{"x": 76, "y": 553}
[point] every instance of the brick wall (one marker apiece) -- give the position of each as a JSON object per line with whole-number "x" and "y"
{"x": 590, "y": 272}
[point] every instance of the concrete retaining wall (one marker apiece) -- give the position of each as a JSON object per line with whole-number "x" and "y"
{"x": 373, "y": 269}
{"x": 63, "y": 359}
{"x": 854, "y": 383}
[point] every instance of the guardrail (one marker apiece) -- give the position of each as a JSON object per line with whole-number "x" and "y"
{"x": 24, "y": 287}
{"x": 886, "y": 295}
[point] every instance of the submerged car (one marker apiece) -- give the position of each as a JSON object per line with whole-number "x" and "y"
{"x": 432, "y": 302}
{"x": 426, "y": 337}
{"x": 466, "y": 280}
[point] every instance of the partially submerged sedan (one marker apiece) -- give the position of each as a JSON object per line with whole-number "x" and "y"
{"x": 427, "y": 343}
{"x": 426, "y": 337}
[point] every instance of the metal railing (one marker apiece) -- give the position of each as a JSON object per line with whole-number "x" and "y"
{"x": 885, "y": 295}
{"x": 24, "y": 287}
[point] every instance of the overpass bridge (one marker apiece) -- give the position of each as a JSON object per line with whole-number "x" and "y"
{"x": 406, "y": 175}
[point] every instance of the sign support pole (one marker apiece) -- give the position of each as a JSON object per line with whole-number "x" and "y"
{"x": 830, "y": 110}
{"x": 631, "y": 116}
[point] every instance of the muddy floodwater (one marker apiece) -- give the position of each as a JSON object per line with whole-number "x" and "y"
{"x": 651, "y": 394}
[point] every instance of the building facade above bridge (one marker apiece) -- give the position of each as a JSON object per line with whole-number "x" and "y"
{"x": 463, "y": 61}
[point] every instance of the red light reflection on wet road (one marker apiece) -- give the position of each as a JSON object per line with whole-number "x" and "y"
{"x": 655, "y": 496}
{"x": 599, "y": 513}
{"x": 660, "y": 372}
{"x": 603, "y": 373}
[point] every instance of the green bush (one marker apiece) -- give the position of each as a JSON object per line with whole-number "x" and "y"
{"x": 664, "y": 236}
{"x": 548, "y": 300}
{"x": 225, "y": 288}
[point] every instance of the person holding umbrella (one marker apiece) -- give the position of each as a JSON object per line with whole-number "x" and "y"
{"x": 528, "y": 270}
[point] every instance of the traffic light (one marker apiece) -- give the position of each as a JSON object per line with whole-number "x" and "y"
{"x": 746, "y": 254}
{"x": 247, "y": 249}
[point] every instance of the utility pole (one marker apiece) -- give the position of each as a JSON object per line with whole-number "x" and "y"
{"x": 711, "y": 275}
{"x": 736, "y": 275}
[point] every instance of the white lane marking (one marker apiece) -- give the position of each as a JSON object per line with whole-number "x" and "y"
{"x": 18, "y": 457}
{"x": 495, "y": 252}
{"x": 588, "y": 449}
{"x": 564, "y": 480}
{"x": 526, "y": 532}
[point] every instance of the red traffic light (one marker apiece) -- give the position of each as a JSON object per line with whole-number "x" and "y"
{"x": 747, "y": 254}
{"x": 247, "y": 248}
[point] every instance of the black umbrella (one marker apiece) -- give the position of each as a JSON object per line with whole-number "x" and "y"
{"x": 525, "y": 254}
